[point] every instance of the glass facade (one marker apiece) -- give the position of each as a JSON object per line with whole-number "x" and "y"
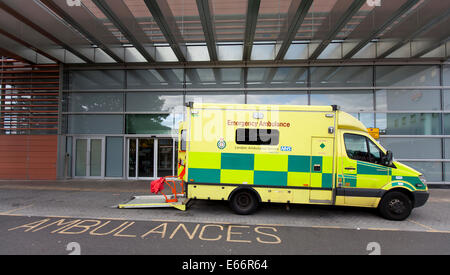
{"x": 409, "y": 103}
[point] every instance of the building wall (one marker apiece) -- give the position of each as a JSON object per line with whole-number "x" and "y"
{"x": 29, "y": 97}
{"x": 28, "y": 157}
{"x": 408, "y": 103}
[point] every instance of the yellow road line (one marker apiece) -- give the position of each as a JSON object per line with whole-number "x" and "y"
{"x": 15, "y": 210}
{"x": 422, "y": 225}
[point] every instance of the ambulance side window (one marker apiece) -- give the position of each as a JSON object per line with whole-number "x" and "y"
{"x": 257, "y": 136}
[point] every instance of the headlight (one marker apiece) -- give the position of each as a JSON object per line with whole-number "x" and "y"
{"x": 423, "y": 180}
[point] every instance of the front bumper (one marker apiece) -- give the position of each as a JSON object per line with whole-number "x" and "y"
{"x": 420, "y": 198}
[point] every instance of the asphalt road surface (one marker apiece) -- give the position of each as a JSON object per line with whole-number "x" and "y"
{"x": 83, "y": 218}
{"x": 64, "y": 236}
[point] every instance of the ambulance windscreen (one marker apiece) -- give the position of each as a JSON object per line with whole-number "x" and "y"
{"x": 248, "y": 136}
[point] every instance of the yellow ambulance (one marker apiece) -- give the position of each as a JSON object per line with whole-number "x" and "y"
{"x": 250, "y": 154}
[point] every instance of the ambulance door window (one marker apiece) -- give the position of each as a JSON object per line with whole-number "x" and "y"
{"x": 356, "y": 147}
{"x": 375, "y": 153}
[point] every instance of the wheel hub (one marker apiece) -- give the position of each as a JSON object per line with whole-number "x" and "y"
{"x": 397, "y": 206}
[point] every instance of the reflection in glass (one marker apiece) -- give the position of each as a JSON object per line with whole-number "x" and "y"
{"x": 431, "y": 170}
{"x": 408, "y": 100}
{"x": 277, "y": 99}
{"x": 155, "y": 78}
{"x": 206, "y": 75}
{"x": 348, "y": 76}
{"x": 96, "y": 158}
{"x": 80, "y": 157}
{"x": 145, "y": 158}
{"x": 96, "y": 80}
{"x": 347, "y": 100}
{"x": 414, "y": 148}
{"x": 114, "y": 156}
{"x": 152, "y": 123}
{"x": 446, "y": 73}
{"x": 132, "y": 159}
{"x": 153, "y": 101}
{"x": 409, "y": 123}
{"x": 95, "y": 102}
{"x": 407, "y": 75}
{"x": 280, "y": 77}
{"x": 211, "y": 97}
{"x": 232, "y": 76}
{"x": 367, "y": 119}
{"x": 446, "y": 99}
{"x": 447, "y": 171}
{"x": 165, "y": 157}
{"x": 95, "y": 124}
{"x": 446, "y": 124}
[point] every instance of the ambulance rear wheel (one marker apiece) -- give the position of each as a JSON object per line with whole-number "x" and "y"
{"x": 395, "y": 206}
{"x": 244, "y": 202}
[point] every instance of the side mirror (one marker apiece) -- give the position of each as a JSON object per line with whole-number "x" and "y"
{"x": 388, "y": 158}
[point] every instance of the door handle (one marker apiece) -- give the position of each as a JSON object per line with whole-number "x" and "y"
{"x": 350, "y": 168}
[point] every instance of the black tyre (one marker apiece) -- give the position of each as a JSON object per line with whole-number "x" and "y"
{"x": 395, "y": 206}
{"x": 244, "y": 202}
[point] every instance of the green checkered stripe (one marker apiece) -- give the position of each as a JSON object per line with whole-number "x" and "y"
{"x": 260, "y": 169}
{"x": 382, "y": 172}
{"x": 363, "y": 168}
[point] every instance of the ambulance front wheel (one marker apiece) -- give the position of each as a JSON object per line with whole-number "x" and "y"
{"x": 395, "y": 205}
{"x": 244, "y": 202}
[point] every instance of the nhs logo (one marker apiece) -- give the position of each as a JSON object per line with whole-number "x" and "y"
{"x": 285, "y": 148}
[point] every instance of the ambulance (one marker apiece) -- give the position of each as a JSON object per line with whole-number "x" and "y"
{"x": 251, "y": 154}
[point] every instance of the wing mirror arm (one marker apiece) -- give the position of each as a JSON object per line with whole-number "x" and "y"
{"x": 388, "y": 158}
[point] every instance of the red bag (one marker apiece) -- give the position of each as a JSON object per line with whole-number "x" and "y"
{"x": 157, "y": 185}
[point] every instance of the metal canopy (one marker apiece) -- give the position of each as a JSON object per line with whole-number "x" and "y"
{"x": 79, "y": 19}
{"x": 26, "y": 11}
{"x": 211, "y": 32}
{"x": 348, "y": 12}
{"x": 382, "y": 18}
{"x": 295, "y": 20}
{"x": 167, "y": 24}
{"x": 116, "y": 13}
{"x": 205, "y": 14}
{"x": 250, "y": 27}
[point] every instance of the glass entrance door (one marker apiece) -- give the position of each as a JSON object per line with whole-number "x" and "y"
{"x": 89, "y": 157}
{"x": 141, "y": 158}
{"x": 146, "y": 158}
{"x": 165, "y": 157}
{"x": 150, "y": 157}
